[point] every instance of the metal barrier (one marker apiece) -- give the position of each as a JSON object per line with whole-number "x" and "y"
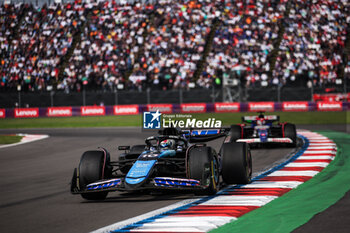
{"x": 179, "y": 96}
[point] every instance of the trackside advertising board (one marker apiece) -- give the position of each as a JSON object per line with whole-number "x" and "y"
{"x": 295, "y": 106}
{"x": 261, "y": 106}
{"x": 126, "y": 109}
{"x": 59, "y": 112}
{"x": 193, "y": 108}
{"x": 93, "y": 111}
{"x": 164, "y": 108}
{"x": 329, "y": 106}
{"x": 227, "y": 107}
{"x": 187, "y": 108}
{"x": 26, "y": 112}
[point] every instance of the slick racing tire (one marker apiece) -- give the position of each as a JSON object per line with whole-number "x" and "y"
{"x": 93, "y": 166}
{"x": 235, "y": 133}
{"x": 290, "y": 132}
{"x": 236, "y": 163}
{"x": 203, "y": 166}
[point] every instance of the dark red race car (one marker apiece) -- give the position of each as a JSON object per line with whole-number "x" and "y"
{"x": 264, "y": 130}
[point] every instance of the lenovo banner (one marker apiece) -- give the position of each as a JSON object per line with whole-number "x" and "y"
{"x": 163, "y": 108}
{"x": 126, "y": 109}
{"x": 261, "y": 106}
{"x": 297, "y": 106}
{"x": 93, "y": 111}
{"x": 2, "y": 113}
{"x": 194, "y": 108}
{"x": 26, "y": 112}
{"x": 329, "y": 106}
{"x": 59, "y": 112}
{"x": 227, "y": 107}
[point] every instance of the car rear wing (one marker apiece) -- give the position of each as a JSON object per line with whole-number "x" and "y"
{"x": 248, "y": 119}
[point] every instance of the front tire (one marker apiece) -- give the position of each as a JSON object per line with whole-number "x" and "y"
{"x": 236, "y": 163}
{"x": 203, "y": 166}
{"x": 93, "y": 166}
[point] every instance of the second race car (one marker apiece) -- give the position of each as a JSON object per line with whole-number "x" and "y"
{"x": 263, "y": 130}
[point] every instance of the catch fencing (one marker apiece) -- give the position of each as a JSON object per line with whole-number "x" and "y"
{"x": 121, "y": 97}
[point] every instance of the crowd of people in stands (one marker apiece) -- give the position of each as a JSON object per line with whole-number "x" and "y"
{"x": 313, "y": 43}
{"x": 42, "y": 40}
{"x": 110, "y": 44}
{"x": 8, "y": 22}
{"x": 244, "y": 41}
{"x": 175, "y": 43}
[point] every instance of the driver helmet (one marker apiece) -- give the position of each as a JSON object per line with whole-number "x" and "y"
{"x": 167, "y": 144}
{"x": 260, "y": 121}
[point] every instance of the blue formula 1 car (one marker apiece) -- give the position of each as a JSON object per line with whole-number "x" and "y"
{"x": 264, "y": 130}
{"x": 176, "y": 160}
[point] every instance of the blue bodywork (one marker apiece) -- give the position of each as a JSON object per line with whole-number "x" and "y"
{"x": 139, "y": 171}
{"x": 152, "y": 166}
{"x": 169, "y": 182}
{"x": 142, "y": 168}
{"x": 204, "y": 132}
{"x": 263, "y": 134}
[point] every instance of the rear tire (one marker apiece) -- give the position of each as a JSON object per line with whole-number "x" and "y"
{"x": 93, "y": 166}
{"x": 137, "y": 149}
{"x": 236, "y": 163}
{"x": 290, "y": 132}
{"x": 203, "y": 166}
{"x": 235, "y": 133}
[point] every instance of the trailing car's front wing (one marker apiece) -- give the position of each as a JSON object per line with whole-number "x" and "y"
{"x": 269, "y": 140}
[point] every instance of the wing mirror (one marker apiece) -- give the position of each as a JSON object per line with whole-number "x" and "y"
{"x": 123, "y": 147}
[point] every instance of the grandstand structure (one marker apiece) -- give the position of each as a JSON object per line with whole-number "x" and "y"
{"x": 232, "y": 47}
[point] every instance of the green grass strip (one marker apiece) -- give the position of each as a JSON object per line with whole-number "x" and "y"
{"x": 227, "y": 119}
{"x": 9, "y": 139}
{"x": 298, "y": 206}
{"x": 71, "y": 122}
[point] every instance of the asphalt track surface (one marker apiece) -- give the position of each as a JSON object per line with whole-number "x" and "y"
{"x": 35, "y": 177}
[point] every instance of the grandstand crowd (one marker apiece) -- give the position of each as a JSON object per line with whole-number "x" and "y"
{"x": 108, "y": 44}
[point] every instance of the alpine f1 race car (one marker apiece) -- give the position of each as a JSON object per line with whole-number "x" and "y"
{"x": 263, "y": 130}
{"x": 174, "y": 159}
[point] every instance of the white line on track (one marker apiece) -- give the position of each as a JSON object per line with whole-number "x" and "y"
{"x": 26, "y": 139}
{"x": 151, "y": 214}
